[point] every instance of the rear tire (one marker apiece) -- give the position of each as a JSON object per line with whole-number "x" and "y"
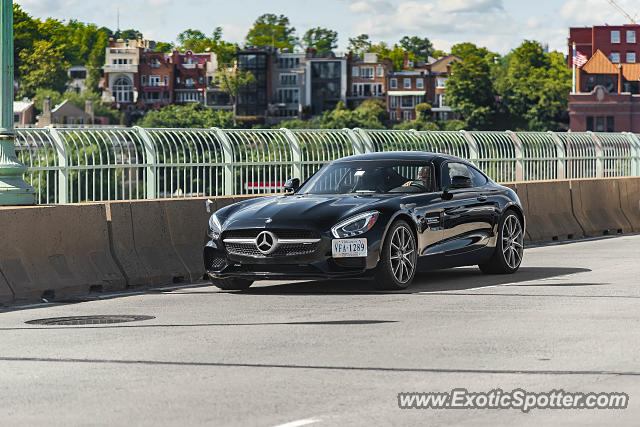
{"x": 507, "y": 256}
{"x": 398, "y": 258}
{"x": 232, "y": 284}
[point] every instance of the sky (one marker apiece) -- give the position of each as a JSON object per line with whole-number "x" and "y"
{"x": 499, "y": 25}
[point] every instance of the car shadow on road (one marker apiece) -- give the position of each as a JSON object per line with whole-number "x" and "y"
{"x": 455, "y": 279}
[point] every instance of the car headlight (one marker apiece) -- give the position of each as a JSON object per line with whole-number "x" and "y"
{"x": 215, "y": 228}
{"x": 355, "y": 225}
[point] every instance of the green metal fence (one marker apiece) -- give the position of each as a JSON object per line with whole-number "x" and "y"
{"x": 94, "y": 164}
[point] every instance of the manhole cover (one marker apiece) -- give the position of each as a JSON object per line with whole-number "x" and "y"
{"x": 88, "y": 320}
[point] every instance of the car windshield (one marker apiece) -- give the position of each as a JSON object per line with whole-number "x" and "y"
{"x": 371, "y": 176}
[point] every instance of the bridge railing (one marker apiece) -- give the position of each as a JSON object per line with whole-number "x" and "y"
{"x": 96, "y": 164}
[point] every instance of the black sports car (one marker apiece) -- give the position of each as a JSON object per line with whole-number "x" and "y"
{"x": 379, "y": 216}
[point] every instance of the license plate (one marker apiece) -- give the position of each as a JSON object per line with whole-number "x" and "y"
{"x": 349, "y": 248}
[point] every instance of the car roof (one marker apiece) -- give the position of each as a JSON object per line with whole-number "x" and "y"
{"x": 404, "y": 155}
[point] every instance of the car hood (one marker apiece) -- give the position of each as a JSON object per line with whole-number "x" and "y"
{"x": 319, "y": 212}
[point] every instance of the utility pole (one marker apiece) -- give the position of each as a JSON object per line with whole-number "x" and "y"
{"x": 13, "y": 188}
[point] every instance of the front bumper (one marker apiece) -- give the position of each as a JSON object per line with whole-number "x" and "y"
{"x": 320, "y": 264}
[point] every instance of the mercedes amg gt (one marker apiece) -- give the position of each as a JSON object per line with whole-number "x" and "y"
{"x": 380, "y": 217}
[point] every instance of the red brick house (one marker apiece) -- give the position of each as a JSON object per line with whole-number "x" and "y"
{"x": 190, "y": 76}
{"x": 607, "y": 96}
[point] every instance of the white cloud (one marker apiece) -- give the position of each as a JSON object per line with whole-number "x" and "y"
{"x": 597, "y": 12}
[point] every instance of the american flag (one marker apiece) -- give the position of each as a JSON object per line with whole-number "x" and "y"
{"x": 579, "y": 59}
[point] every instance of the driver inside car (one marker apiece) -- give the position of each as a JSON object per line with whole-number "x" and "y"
{"x": 424, "y": 179}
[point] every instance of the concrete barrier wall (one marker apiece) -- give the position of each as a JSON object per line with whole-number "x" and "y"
{"x": 597, "y": 206}
{"x": 630, "y": 200}
{"x": 68, "y": 249}
{"x": 56, "y": 251}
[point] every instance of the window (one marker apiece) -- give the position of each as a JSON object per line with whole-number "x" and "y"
{"x": 440, "y": 100}
{"x": 631, "y": 57}
{"x": 166, "y": 80}
{"x": 380, "y": 72}
{"x": 610, "y": 124}
{"x": 143, "y": 80}
{"x": 288, "y": 79}
{"x": 288, "y": 62}
{"x": 154, "y": 63}
{"x": 590, "y": 123}
{"x": 614, "y": 57}
{"x": 615, "y": 36}
{"x": 154, "y": 80}
{"x": 440, "y": 82}
{"x": 602, "y": 80}
{"x": 419, "y": 99}
{"x": 407, "y": 102}
{"x": 122, "y": 90}
{"x": 631, "y": 36}
{"x": 393, "y": 102}
{"x": 189, "y": 81}
{"x": 631, "y": 87}
{"x": 355, "y": 71}
{"x": 200, "y": 80}
{"x": 451, "y": 169}
{"x": 406, "y": 116}
{"x": 393, "y": 115}
{"x": 420, "y": 83}
{"x": 367, "y": 72}
{"x": 393, "y": 83}
{"x": 288, "y": 96}
{"x": 16, "y": 118}
{"x": 407, "y": 83}
{"x": 599, "y": 124}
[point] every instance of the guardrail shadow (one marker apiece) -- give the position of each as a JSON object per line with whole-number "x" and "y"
{"x": 455, "y": 279}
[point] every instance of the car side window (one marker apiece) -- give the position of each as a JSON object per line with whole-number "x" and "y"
{"x": 478, "y": 179}
{"x": 451, "y": 169}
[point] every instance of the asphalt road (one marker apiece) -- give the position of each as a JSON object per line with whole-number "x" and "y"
{"x": 335, "y": 353}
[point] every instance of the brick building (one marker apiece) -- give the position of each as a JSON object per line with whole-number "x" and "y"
{"x": 190, "y": 76}
{"x": 156, "y": 78}
{"x": 367, "y": 78}
{"x": 607, "y": 96}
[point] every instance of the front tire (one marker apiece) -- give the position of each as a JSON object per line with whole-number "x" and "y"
{"x": 232, "y": 284}
{"x": 398, "y": 259}
{"x": 507, "y": 256}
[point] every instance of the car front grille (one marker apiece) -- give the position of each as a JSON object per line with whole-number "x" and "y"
{"x": 290, "y": 243}
{"x": 252, "y": 233}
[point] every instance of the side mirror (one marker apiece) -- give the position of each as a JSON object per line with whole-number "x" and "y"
{"x": 461, "y": 182}
{"x": 292, "y": 185}
{"x": 457, "y": 181}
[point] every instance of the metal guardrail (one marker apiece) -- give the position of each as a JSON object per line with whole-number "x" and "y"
{"x": 95, "y": 164}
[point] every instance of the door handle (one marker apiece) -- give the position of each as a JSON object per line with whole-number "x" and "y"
{"x": 482, "y": 198}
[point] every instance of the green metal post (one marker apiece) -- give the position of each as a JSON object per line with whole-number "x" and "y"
{"x": 13, "y": 188}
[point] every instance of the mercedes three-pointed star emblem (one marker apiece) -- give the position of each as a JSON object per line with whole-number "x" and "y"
{"x": 266, "y": 242}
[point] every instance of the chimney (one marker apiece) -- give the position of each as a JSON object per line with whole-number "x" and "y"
{"x": 406, "y": 60}
{"x": 45, "y": 116}
{"x": 88, "y": 109}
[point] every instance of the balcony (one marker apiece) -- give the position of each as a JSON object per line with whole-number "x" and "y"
{"x": 120, "y": 68}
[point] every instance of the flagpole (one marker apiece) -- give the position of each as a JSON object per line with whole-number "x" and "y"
{"x": 573, "y": 67}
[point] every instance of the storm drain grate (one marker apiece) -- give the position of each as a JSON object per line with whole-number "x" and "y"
{"x": 88, "y": 320}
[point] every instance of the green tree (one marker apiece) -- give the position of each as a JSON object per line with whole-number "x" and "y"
{"x": 95, "y": 62}
{"x": 42, "y": 67}
{"x": 164, "y": 47}
{"x": 25, "y": 33}
{"x": 272, "y": 30}
{"x": 321, "y": 39}
{"x": 360, "y": 44}
{"x": 421, "y": 48}
{"x": 225, "y": 51}
{"x": 534, "y": 87}
{"x": 129, "y": 34}
{"x": 190, "y": 116}
{"x": 194, "y": 40}
{"x": 470, "y": 89}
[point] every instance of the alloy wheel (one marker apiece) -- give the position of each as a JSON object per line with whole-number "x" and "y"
{"x": 512, "y": 238}
{"x": 403, "y": 254}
